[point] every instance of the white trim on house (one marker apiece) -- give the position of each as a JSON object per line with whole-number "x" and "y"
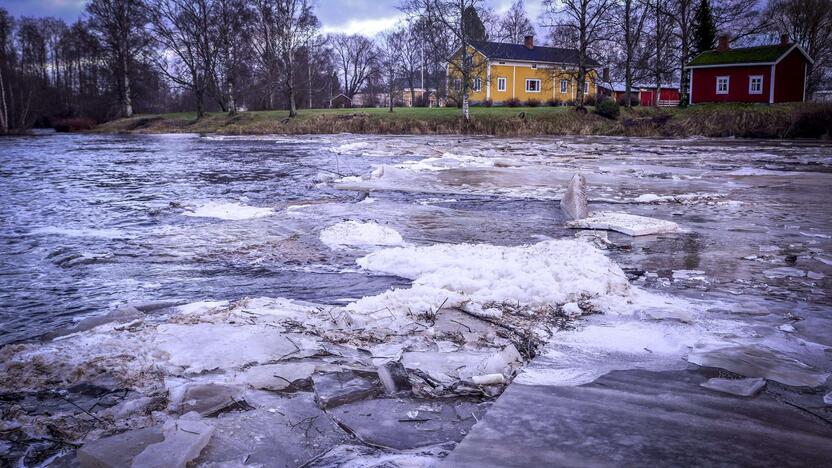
{"x": 805, "y": 79}
{"x": 727, "y": 80}
{"x": 751, "y": 82}
{"x": 488, "y": 82}
{"x": 539, "y": 83}
{"x": 771, "y": 87}
{"x": 564, "y": 86}
{"x": 476, "y": 86}
{"x": 751, "y": 64}
{"x": 501, "y": 84}
{"x": 796, "y": 46}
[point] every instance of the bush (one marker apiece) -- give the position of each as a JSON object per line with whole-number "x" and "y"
{"x": 553, "y": 102}
{"x": 512, "y": 102}
{"x": 73, "y": 124}
{"x": 590, "y": 100}
{"x": 633, "y": 100}
{"x": 607, "y": 108}
{"x": 570, "y": 103}
{"x": 487, "y": 103}
{"x": 532, "y": 103}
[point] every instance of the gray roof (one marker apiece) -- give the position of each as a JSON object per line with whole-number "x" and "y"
{"x": 519, "y": 52}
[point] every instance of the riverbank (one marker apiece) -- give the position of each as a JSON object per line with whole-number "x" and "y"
{"x": 811, "y": 120}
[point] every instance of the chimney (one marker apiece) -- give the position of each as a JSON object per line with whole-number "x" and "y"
{"x": 784, "y": 40}
{"x": 606, "y": 74}
{"x": 528, "y": 41}
{"x": 723, "y": 43}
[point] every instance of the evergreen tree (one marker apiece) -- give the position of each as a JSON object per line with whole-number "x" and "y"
{"x": 704, "y": 31}
{"x": 474, "y": 29}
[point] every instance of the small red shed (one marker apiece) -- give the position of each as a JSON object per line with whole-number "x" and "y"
{"x": 765, "y": 74}
{"x": 668, "y": 95}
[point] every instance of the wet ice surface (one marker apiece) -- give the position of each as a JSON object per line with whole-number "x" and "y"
{"x": 91, "y": 222}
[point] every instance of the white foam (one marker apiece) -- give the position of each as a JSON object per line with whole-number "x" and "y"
{"x": 82, "y": 232}
{"x": 358, "y": 234}
{"x": 229, "y": 211}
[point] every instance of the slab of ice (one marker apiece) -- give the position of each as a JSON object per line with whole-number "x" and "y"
{"x": 277, "y": 377}
{"x": 206, "y": 346}
{"x": 118, "y": 450}
{"x": 184, "y": 440}
{"x": 549, "y": 273}
{"x": 208, "y": 399}
{"x": 573, "y": 202}
{"x": 393, "y": 377}
{"x": 338, "y": 388}
{"x": 228, "y": 211}
{"x": 631, "y": 225}
{"x": 355, "y": 233}
{"x": 739, "y": 387}
{"x": 753, "y": 361}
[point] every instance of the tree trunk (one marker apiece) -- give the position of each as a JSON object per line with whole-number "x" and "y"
{"x": 232, "y": 103}
{"x": 200, "y": 107}
{"x": 127, "y": 103}
{"x": 290, "y": 88}
{"x": 4, "y": 111}
{"x": 309, "y": 78}
{"x": 390, "y": 95}
{"x": 466, "y": 117}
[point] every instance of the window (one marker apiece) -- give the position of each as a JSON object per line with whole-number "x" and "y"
{"x": 755, "y": 84}
{"x": 477, "y": 86}
{"x": 534, "y": 65}
{"x": 564, "y": 86}
{"x": 501, "y": 84}
{"x": 722, "y": 84}
{"x": 532, "y": 86}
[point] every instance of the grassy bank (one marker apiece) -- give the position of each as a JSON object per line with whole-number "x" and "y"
{"x": 755, "y": 121}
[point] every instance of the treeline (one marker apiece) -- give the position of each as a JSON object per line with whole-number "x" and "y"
{"x": 150, "y": 56}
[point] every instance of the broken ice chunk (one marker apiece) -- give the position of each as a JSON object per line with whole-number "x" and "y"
{"x": 184, "y": 440}
{"x": 631, "y": 225}
{"x": 828, "y": 398}
{"x": 209, "y": 399}
{"x": 339, "y": 388}
{"x": 278, "y": 377}
{"x": 760, "y": 362}
{"x": 393, "y": 377}
{"x": 787, "y": 327}
{"x": 118, "y": 450}
{"x": 503, "y": 360}
{"x": 573, "y": 202}
{"x": 489, "y": 379}
{"x": 739, "y": 387}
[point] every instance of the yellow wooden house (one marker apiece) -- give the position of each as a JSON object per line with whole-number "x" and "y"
{"x": 523, "y": 72}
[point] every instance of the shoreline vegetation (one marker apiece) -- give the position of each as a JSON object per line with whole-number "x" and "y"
{"x": 789, "y": 121}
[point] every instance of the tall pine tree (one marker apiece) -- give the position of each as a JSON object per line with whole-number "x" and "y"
{"x": 472, "y": 23}
{"x": 704, "y": 31}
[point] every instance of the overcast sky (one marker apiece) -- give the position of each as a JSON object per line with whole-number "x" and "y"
{"x": 350, "y": 16}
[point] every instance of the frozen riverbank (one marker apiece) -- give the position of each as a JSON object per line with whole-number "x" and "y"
{"x": 365, "y": 299}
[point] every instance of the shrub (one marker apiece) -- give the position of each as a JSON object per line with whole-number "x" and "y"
{"x": 487, "y": 103}
{"x": 72, "y": 124}
{"x": 589, "y": 100}
{"x": 532, "y": 103}
{"x": 633, "y": 100}
{"x": 570, "y": 103}
{"x": 512, "y": 102}
{"x": 607, "y": 108}
{"x": 553, "y": 102}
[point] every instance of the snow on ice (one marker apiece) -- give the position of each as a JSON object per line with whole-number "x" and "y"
{"x": 228, "y": 211}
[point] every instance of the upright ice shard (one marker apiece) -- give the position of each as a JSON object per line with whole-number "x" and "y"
{"x": 573, "y": 202}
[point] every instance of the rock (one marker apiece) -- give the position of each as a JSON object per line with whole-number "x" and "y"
{"x": 209, "y": 399}
{"x": 761, "y": 362}
{"x": 574, "y": 203}
{"x": 118, "y": 450}
{"x": 183, "y": 441}
{"x": 739, "y": 387}
{"x": 393, "y": 377}
{"x": 631, "y": 225}
{"x": 406, "y": 423}
{"x": 339, "y": 388}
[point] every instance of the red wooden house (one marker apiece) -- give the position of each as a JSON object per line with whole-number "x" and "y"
{"x": 668, "y": 95}
{"x": 766, "y": 74}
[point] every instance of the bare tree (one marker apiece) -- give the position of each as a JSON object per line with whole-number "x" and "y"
{"x": 450, "y": 16}
{"x": 121, "y": 26}
{"x": 631, "y": 17}
{"x": 355, "y": 56}
{"x": 660, "y": 39}
{"x": 808, "y": 23}
{"x": 389, "y": 61}
{"x": 411, "y": 57}
{"x": 296, "y": 26}
{"x": 230, "y": 37}
{"x": 515, "y": 25}
{"x": 589, "y": 21}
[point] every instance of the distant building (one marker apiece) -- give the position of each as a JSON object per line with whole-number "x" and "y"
{"x": 617, "y": 91}
{"x": 340, "y": 101}
{"x": 766, "y": 74}
{"x": 523, "y": 72}
{"x": 668, "y": 95}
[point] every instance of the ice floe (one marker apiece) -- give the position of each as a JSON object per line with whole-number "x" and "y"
{"x": 228, "y": 211}
{"x": 631, "y": 225}
{"x": 359, "y": 234}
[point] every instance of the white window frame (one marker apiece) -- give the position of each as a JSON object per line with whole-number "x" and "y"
{"x": 564, "y": 86}
{"x": 751, "y": 89}
{"x": 727, "y": 84}
{"x": 476, "y": 86}
{"x": 501, "y": 83}
{"x": 529, "y": 80}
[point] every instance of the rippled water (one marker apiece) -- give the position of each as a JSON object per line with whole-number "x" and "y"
{"x": 91, "y": 221}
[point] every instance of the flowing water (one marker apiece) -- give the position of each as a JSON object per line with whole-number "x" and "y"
{"x": 93, "y": 221}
